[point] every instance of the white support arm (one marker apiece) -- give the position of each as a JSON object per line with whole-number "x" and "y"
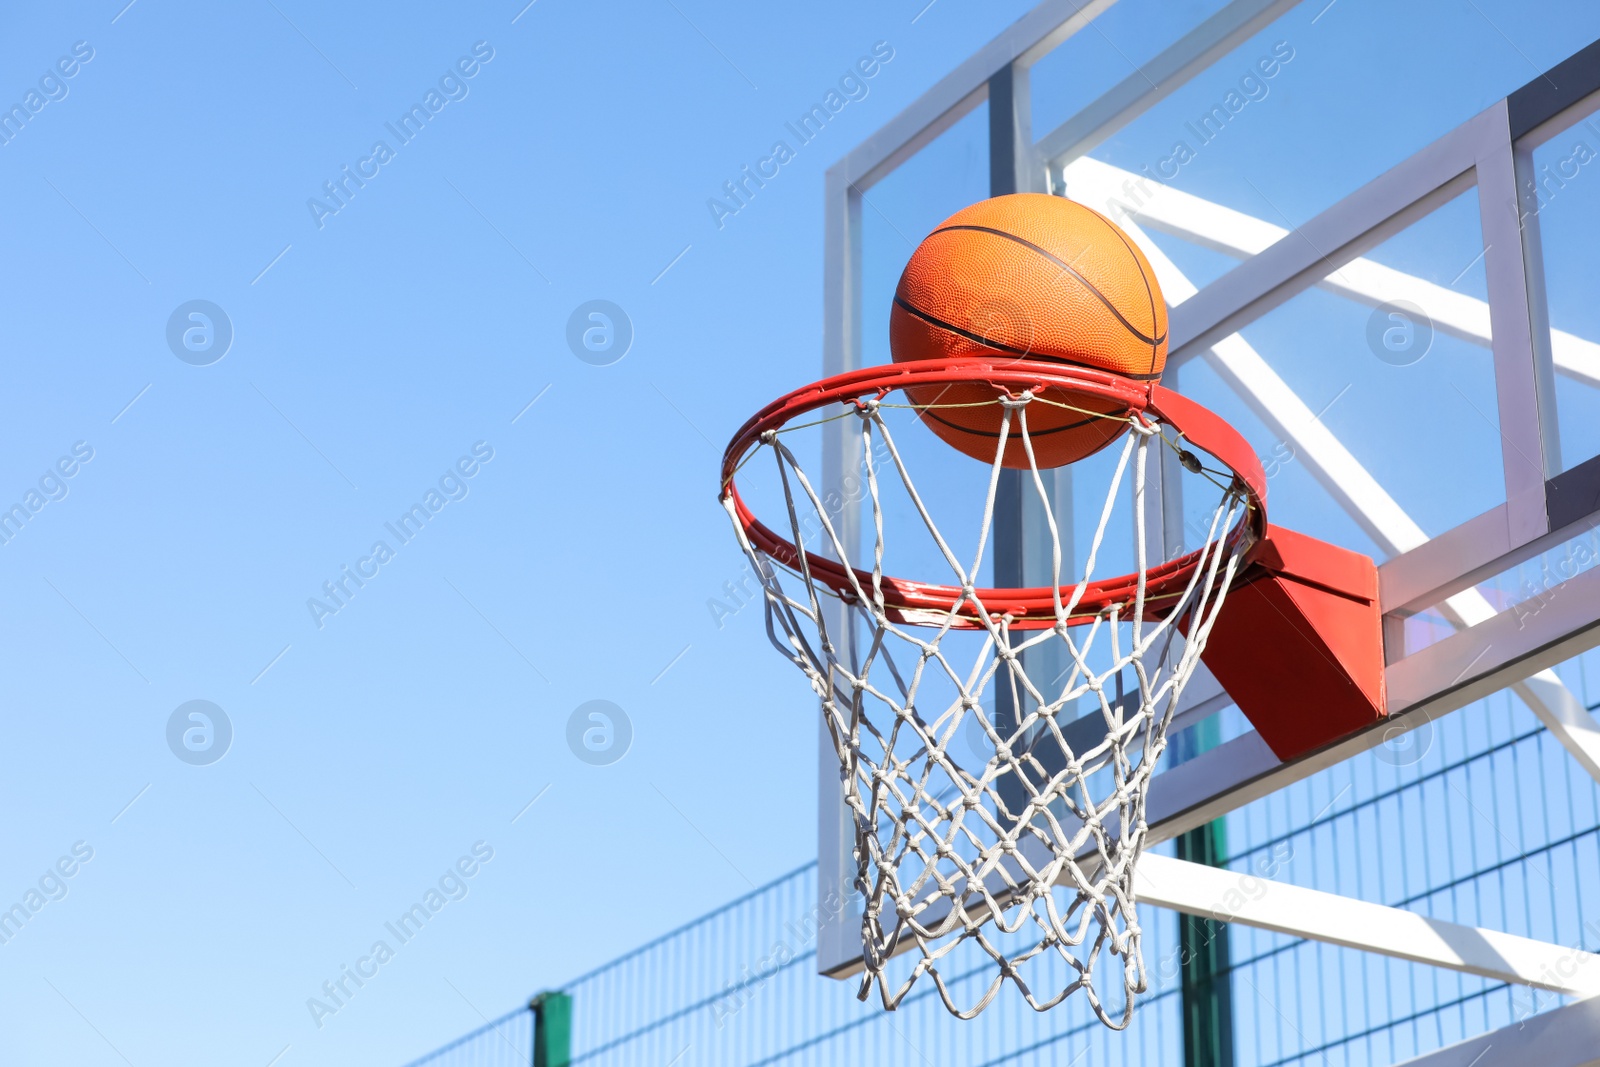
{"x": 1229, "y": 896}
{"x": 1210, "y": 225}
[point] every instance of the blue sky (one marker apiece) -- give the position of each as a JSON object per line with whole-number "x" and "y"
{"x": 378, "y": 354}
{"x": 366, "y": 360}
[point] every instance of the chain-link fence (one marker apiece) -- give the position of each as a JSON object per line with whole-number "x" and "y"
{"x": 1481, "y": 818}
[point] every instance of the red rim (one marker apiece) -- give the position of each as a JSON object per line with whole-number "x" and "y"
{"x": 1032, "y": 608}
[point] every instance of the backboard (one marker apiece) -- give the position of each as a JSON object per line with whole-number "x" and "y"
{"x": 1389, "y": 302}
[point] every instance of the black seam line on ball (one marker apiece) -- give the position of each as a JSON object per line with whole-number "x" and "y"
{"x": 1016, "y": 434}
{"x": 1155, "y": 346}
{"x": 1022, "y": 353}
{"x": 1064, "y": 265}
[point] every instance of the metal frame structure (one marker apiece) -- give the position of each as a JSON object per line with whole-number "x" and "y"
{"x": 1544, "y": 505}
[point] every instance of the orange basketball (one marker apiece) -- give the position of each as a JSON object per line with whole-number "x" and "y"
{"x": 1037, "y": 277}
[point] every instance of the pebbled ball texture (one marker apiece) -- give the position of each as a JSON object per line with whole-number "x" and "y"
{"x": 1036, "y": 277}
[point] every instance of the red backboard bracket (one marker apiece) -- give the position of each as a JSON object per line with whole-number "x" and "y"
{"x": 1299, "y": 643}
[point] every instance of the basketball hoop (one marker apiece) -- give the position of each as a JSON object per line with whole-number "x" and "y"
{"x": 1027, "y": 855}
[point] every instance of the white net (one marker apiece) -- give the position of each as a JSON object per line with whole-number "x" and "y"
{"x": 999, "y": 810}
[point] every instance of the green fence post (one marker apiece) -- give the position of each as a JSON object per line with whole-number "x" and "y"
{"x": 1203, "y": 943}
{"x": 552, "y": 1029}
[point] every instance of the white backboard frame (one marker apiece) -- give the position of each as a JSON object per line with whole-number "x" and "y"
{"x": 1490, "y": 651}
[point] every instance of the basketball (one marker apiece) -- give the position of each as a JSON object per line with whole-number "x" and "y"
{"x": 1036, "y": 277}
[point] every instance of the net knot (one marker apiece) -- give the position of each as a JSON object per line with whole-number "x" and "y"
{"x": 1017, "y": 401}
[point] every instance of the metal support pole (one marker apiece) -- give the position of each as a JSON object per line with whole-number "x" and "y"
{"x": 1008, "y": 526}
{"x": 1207, "y": 966}
{"x": 1006, "y": 132}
